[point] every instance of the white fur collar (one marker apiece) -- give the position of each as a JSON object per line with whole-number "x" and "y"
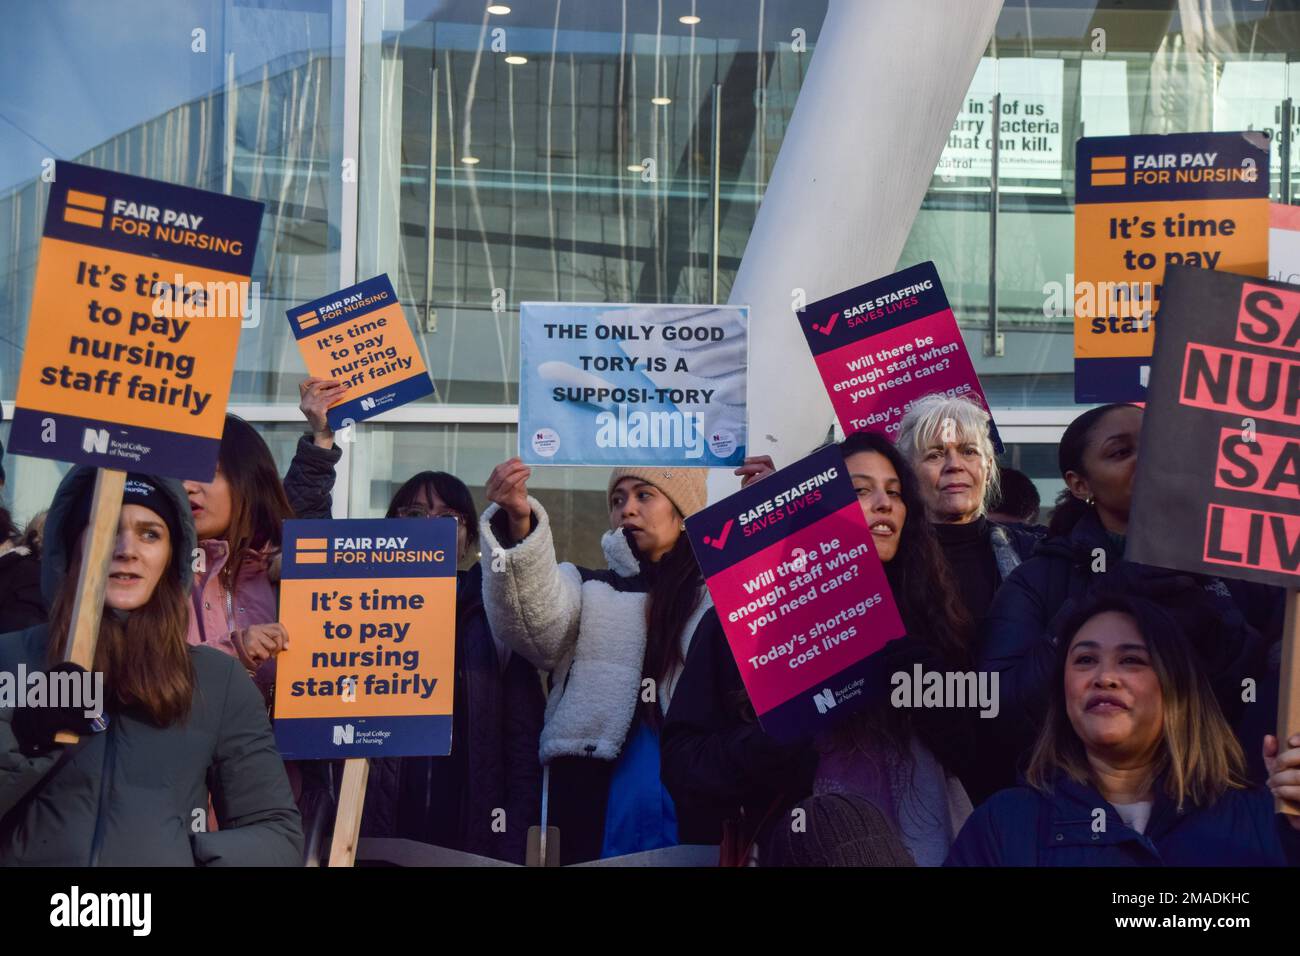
{"x": 619, "y": 554}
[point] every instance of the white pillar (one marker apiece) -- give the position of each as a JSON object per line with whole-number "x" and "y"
{"x": 883, "y": 89}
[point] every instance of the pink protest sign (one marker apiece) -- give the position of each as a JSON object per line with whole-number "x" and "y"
{"x": 800, "y": 592}
{"x": 882, "y": 345}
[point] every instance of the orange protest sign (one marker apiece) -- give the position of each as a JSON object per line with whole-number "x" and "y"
{"x": 360, "y": 336}
{"x": 1142, "y": 204}
{"x": 139, "y": 295}
{"x": 370, "y": 609}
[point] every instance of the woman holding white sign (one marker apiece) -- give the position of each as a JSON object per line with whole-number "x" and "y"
{"x": 177, "y": 722}
{"x": 613, "y": 641}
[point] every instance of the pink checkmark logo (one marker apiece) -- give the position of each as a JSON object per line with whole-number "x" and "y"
{"x": 720, "y": 541}
{"x": 826, "y": 329}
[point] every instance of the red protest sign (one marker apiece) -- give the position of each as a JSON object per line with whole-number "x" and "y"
{"x": 1221, "y": 435}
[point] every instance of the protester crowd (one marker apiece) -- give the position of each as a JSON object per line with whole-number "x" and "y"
{"x": 1135, "y": 718}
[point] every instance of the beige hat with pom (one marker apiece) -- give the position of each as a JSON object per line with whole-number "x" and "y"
{"x": 686, "y": 488}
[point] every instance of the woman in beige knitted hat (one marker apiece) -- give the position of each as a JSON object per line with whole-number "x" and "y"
{"x": 613, "y": 641}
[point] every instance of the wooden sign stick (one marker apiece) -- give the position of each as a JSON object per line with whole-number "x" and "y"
{"x": 1288, "y": 706}
{"x": 347, "y": 821}
{"x": 96, "y": 557}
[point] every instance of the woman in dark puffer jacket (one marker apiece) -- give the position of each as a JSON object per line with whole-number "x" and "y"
{"x": 897, "y": 774}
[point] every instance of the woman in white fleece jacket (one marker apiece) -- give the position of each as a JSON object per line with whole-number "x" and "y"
{"x": 613, "y": 642}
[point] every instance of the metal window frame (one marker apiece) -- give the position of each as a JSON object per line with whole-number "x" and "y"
{"x": 1018, "y": 426}
{"x": 349, "y": 213}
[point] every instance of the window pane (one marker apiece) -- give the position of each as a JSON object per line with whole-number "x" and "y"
{"x": 239, "y": 97}
{"x": 562, "y": 153}
{"x": 385, "y": 456}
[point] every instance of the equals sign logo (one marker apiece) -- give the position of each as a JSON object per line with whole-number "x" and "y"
{"x": 1108, "y": 170}
{"x": 312, "y": 551}
{"x": 85, "y": 209}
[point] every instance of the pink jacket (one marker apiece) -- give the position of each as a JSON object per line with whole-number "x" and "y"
{"x": 218, "y": 614}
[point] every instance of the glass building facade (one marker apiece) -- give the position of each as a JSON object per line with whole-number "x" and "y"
{"x": 582, "y": 150}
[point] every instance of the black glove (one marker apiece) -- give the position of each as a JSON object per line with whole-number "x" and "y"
{"x": 35, "y": 727}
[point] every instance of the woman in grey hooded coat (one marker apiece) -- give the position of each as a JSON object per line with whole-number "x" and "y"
{"x": 179, "y": 723}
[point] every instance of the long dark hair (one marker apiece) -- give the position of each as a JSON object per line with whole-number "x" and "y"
{"x": 928, "y": 602}
{"x": 145, "y": 659}
{"x": 674, "y": 594}
{"x": 449, "y": 488}
{"x": 1069, "y": 455}
{"x": 923, "y": 585}
{"x": 1199, "y": 758}
{"x": 258, "y": 504}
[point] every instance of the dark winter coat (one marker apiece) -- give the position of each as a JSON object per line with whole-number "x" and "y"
{"x": 1023, "y": 827}
{"x": 453, "y": 801}
{"x": 714, "y": 754}
{"x": 309, "y": 482}
{"x": 137, "y": 794}
{"x": 21, "y": 604}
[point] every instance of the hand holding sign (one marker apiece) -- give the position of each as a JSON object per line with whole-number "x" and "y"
{"x": 799, "y": 590}
{"x": 359, "y": 336}
{"x": 507, "y": 486}
{"x": 317, "y": 395}
{"x": 259, "y": 643}
{"x": 1284, "y": 772}
{"x": 139, "y": 297}
{"x": 755, "y": 468}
